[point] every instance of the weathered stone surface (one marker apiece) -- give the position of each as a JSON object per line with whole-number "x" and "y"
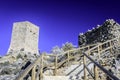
{"x": 108, "y": 30}
{"x": 7, "y": 69}
{"x": 16, "y": 56}
{"x": 101, "y": 33}
{"x": 7, "y": 77}
{"x": 25, "y": 37}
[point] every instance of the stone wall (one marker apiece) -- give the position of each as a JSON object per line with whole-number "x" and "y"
{"x": 25, "y": 36}
{"x": 110, "y": 29}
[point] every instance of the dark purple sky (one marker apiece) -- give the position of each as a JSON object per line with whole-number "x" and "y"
{"x": 59, "y": 20}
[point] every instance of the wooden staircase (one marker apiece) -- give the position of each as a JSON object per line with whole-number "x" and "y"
{"x": 51, "y": 66}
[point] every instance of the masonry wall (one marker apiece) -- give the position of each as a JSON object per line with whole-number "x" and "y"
{"x": 32, "y": 37}
{"x": 25, "y": 36}
{"x": 110, "y": 29}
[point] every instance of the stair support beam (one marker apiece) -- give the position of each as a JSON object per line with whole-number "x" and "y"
{"x": 89, "y": 50}
{"x": 95, "y": 72}
{"x": 55, "y": 72}
{"x": 111, "y": 46}
{"x": 41, "y": 67}
{"x": 99, "y": 52}
{"x": 68, "y": 58}
{"x": 85, "y": 71}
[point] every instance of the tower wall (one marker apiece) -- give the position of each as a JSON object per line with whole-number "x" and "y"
{"x": 108, "y": 30}
{"x": 25, "y": 36}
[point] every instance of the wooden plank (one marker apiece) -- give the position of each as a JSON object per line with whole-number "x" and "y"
{"x": 55, "y": 72}
{"x": 99, "y": 52}
{"x": 105, "y": 49}
{"x": 33, "y": 73}
{"x": 41, "y": 68}
{"x": 85, "y": 71}
{"x": 95, "y": 72}
{"x": 89, "y": 50}
{"x": 68, "y": 57}
{"x": 59, "y": 64}
{"x": 111, "y": 46}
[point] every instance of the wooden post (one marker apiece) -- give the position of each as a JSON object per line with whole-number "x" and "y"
{"x": 110, "y": 46}
{"x": 80, "y": 53}
{"x": 89, "y": 50}
{"x": 41, "y": 67}
{"x": 33, "y": 73}
{"x": 99, "y": 52}
{"x": 95, "y": 72}
{"x": 55, "y": 72}
{"x": 100, "y": 47}
{"x": 68, "y": 57}
{"x": 118, "y": 39}
{"x": 85, "y": 71}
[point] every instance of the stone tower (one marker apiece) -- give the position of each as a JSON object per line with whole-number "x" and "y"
{"x": 25, "y": 36}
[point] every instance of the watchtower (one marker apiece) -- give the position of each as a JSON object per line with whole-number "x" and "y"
{"x": 25, "y": 36}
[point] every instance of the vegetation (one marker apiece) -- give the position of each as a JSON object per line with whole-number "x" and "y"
{"x": 5, "y": 63}
{"x": 65, "y": 47}
{"x": 57, "y": 50}
{"x": 19, "y": 56}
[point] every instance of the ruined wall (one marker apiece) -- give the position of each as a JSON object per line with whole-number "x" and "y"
{"x": 101, "y": 33}
{"x": 25, "y": 36}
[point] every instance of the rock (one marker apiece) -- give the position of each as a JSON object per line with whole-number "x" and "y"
{"x": 7, "y": 77}
{"x": 19, "y": 61}
{"x": 7, "y": 67}
{"x": 7, "y": 70}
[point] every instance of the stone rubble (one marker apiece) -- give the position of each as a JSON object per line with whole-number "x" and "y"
{"x": 110, "y": 29}
{"x": 10, "y": 70}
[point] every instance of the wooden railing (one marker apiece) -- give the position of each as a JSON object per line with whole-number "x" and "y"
{"x": 38, "y": 67}
{"x": 100, "y": 50}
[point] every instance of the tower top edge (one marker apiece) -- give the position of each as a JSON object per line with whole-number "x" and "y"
{"x": 28, "y": 23}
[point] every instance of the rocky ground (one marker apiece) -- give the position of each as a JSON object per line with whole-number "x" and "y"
{"x": 10, "y": 65}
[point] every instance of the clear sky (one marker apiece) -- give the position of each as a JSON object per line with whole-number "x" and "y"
{"x": 59, "y": 20}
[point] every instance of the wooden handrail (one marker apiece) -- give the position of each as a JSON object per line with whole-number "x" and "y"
{"x": 98, "y": 65}
{"x": 103, "y": 69}
{"x": 26, "y": 71}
